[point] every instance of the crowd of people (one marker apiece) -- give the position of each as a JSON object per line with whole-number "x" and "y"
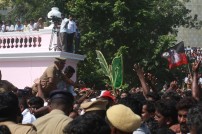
{"x": 68, "y": 39}
{"x": 194, "y": 53}
{"x": 32, "y": 25}
{"x": 55, "y": 104}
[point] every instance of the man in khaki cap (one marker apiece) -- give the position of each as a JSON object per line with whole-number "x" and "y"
{"x": 122, "y": 120}
{"x": 61, "y": 103}
{"x": 97, "y": 106}
{"x": 10, "y": 113}
{"x": 50, "y": 78}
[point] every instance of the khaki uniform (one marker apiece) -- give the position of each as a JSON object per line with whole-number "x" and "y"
{"x": 19, "y": 129}
{"x": 52, "y": 123}
{"x": 51, "y": 72}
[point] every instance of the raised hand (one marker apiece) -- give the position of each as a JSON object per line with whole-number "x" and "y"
{"x": 37, "y": 81}
{"x": 137, "y": 68}
{"x": 195, "y": 66}
{"x": 173, "y": 85}
{"x": 196, "y": 93}
{"x": 150, "y": 78}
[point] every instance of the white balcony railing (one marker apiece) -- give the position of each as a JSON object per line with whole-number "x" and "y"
{"x": 35, "y": 41}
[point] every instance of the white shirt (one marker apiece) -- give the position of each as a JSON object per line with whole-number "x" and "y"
{"x": 31, "y": 27}
{"x": 200, "y": 81}
{"x": 62, "y": 26}
{"x": 3, "y": 28}
{"x": 71, "y": 27}
{"x": 10, "y": 28}
{"x": 28, "y": 118}
{"x": 186, "y": 80}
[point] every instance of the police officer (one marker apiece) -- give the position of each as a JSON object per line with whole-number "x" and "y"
{"x": 61, "y": 104}
{"x": 50, "y": 78}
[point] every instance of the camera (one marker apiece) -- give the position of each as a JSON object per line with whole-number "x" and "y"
{"x": 56, "y": 19}
{"x": 54, "y": 14}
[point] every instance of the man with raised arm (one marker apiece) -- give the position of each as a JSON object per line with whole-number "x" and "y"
{"x": 196, "y": 93}
{"x": 50, "y": 78}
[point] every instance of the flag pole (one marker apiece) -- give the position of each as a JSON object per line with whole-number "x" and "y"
{"x": 188, "y": 63}
{"x": 189, "y": 69}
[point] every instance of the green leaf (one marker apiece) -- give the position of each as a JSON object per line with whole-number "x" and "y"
{"x": 103, "y": 63}
{"x": 117, "y": 71}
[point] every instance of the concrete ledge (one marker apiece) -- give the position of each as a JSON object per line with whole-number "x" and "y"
{"x": 27, "y": 56}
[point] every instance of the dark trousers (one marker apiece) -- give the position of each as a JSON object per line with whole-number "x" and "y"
{"x": 77, "y": 44}
{"x": 70, "y": 37}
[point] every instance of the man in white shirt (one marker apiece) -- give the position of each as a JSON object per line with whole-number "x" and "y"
{"x": 9, "y": 27}
{"x": 31, "y": 25}
{"x": 3, "y": 26}
{"x": 28, "y": 117}
{"x": 71, "y": 29}
{"x": 63, "y": 33}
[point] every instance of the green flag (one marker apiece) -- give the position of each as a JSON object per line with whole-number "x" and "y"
{"x": 117, "y": 71}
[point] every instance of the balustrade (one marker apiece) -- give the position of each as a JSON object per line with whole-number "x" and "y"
{"x": 25, "y": 41}
{"x": 20, "y": 41}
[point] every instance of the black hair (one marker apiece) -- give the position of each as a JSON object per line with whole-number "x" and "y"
{"x": 150, "y": 106}
{"x": 153, "y": 95}
{"x": 171, "y": 95}
{"x": 66, "y": 100}
{"x": 23, "y": 102}
{"x": 165, "y": 130}
{"x": 166, "y": 107}
{"x": 69, "y": 69}
{"x": 26, "y": 92}
{"x": 188, "y": 93}
{"x": 101, "y": 113}
{"x": 36, "y": 101}
{"x": 124, "y": 92}
{"x": 133, "y": 103}
{"x": 194, "y": 117}
{"x": 61, "y": 101}
{"x": 4, "y": 129}
{"x": 186, "y": 103}
{"x": 9, "y": 107}
{"x": 199, "y": 129}
{"x": 87, "y": 124}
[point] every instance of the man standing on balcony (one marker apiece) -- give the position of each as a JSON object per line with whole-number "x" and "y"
{"x": 63, "y": 33}
{"x": 71, "y": 29}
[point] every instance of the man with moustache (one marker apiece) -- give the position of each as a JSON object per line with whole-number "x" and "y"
{"x": 183, "y": 107}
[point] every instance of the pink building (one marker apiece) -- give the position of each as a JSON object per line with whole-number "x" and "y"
{"x": 25, "y": 55}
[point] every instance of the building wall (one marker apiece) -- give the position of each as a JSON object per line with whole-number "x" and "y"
{"x": 22, "y": 73}
{"x": 21, "y": 62}
{"x": 5, "y": 11}
{"x": 192, "y": 37}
